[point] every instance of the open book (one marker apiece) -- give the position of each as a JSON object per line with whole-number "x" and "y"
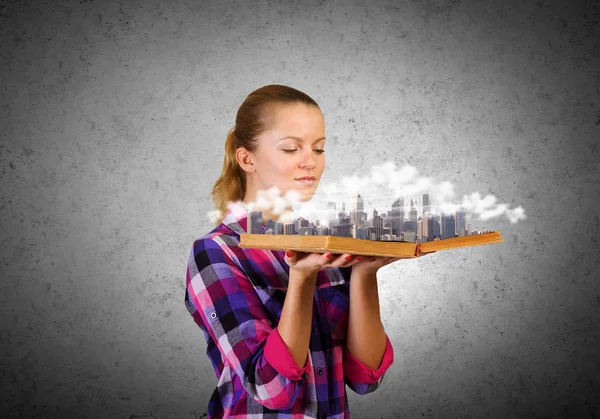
{"x": 336, "y": 244}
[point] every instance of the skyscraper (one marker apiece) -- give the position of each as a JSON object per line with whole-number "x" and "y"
{"x": 356, "y": 213}
{"x": 460, "y": 221}
{"x": 426, "y": 203}
{"x": 254, "y": 222}
{"x": 332, "y": 215}
{"x": 448, "y": 223}
{"x": 398, "y": 216}
{"x": 377, "y": 225}
{"x": 412, "y": 212}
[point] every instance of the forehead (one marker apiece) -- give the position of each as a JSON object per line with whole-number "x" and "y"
{"x": 299, "y": 120}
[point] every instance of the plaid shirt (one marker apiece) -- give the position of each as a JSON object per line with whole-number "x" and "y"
{"x": 235, "y": 296}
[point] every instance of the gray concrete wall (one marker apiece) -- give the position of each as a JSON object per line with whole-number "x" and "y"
{"x": 113, "y": 121}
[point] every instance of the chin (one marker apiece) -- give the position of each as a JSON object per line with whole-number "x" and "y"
{"x": 307, "y": 196}
{"x": 306, "y": 193}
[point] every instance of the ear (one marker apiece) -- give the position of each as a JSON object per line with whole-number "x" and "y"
{"x": 245, "y": 159}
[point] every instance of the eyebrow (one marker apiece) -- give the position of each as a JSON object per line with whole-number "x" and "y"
{"x": 300, "y": 139}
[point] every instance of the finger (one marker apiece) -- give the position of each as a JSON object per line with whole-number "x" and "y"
{"x": 347, "y": 259}
{"x": 290, "y": 256}
{"x": 293, "y": 256}
{"x": 325, "y": 259}
{"x": 328, "y": 257}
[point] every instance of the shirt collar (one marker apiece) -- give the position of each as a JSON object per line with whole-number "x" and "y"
{"x": 236, "y": 219}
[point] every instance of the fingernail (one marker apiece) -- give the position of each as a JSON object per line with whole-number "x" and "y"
{"x": 328, "y": 255}
{"x": 359, "y": 258}
{"x": 348, "y": 257}
{"x": 289, "y": 254}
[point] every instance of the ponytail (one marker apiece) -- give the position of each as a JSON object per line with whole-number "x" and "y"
{"x": 231, "y": 185}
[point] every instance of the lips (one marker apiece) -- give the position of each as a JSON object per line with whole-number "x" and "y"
{"x": 307, "y": 180}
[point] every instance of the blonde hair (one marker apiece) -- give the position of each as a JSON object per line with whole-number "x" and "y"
{"x": 254, "y": 116}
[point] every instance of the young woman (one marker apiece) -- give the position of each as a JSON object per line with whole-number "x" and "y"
{"x": 285, "y": 331}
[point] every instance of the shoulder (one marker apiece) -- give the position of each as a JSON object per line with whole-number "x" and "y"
{"x": 219, "y": 237}
{"x": 218, "y": 245}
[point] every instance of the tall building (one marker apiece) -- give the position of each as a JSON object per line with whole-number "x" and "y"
{"x": 331, "y": 213}
{"x": 427, "y": 227}
{"x": 448, "y": 224}
{"x": 426, "y": 203}
{"x": 277, "y": 228}
{"x": 460, "y": 220}
{"x": 322, "y": 231}
{"x": 377, "y": 225}
{"x": 302, "y": 222}
{"x": 307, "y": 231}
{"x": 254, "y": 222}
{"x": 398, "y": 216}
{"x": 411, "y": 226}
{"x": 359, "y": 233}
{"x": 431, "y": 226}
{"x": 356, "y": 213}
{"x": 412, "y": 212}
{"x": 437, "y": 228}
{"x": 409, "y": 236}
{"x": 289, "y": 228}
{"x": 343, "y": 228}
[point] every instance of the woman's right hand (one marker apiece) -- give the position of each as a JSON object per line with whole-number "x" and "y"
{"x": 308, "y": 264}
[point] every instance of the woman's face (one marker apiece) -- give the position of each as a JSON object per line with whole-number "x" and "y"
{"x": 281, "y": 160}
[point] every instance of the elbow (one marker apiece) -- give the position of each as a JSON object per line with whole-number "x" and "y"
{"x": 270, "y": 388}
{"x": 363, "y": 388}
{"x": 284, "y": 400}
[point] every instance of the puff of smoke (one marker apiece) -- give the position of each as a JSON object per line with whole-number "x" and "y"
{"x": 379, "y": 189}
{"x": 386, "y": 183}
{"x": 269, "y": 200}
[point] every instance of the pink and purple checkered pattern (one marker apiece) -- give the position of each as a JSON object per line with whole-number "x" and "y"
{"x": 235, "y": 296}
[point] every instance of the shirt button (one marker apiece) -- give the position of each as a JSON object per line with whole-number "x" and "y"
{"x": 319, "y": 371}
{"x": 305, "y": 376}
{"x": 314, "y": 330}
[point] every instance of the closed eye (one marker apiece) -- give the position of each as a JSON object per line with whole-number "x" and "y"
{"x": 319, "y": 151}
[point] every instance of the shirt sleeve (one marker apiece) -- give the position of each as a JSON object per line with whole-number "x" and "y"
{"x": 228, "y": 305}
{"x": 363, "y": 379}
{"x": 358, "y": 376}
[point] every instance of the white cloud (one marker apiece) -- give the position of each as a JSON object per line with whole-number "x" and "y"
{"x": 379, "y": 190}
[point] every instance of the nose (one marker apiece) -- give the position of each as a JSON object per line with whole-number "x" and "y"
{"x": 308, "y": 160}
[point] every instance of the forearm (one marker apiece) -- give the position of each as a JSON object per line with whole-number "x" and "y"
{"x": 366, "y": 336}
{"x": 296, "y": 316}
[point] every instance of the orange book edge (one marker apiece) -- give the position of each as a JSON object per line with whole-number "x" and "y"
{"x": 357, "y": 246}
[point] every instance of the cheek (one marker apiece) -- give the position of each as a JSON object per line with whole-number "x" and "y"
{"x": 281, "y": 168}
{"x": 284, "y": 166}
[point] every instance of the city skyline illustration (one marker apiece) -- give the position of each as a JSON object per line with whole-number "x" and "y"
{"x": 421, "y": 222}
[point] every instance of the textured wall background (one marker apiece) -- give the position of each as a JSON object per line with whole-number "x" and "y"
{"x": 113, "y": 121}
